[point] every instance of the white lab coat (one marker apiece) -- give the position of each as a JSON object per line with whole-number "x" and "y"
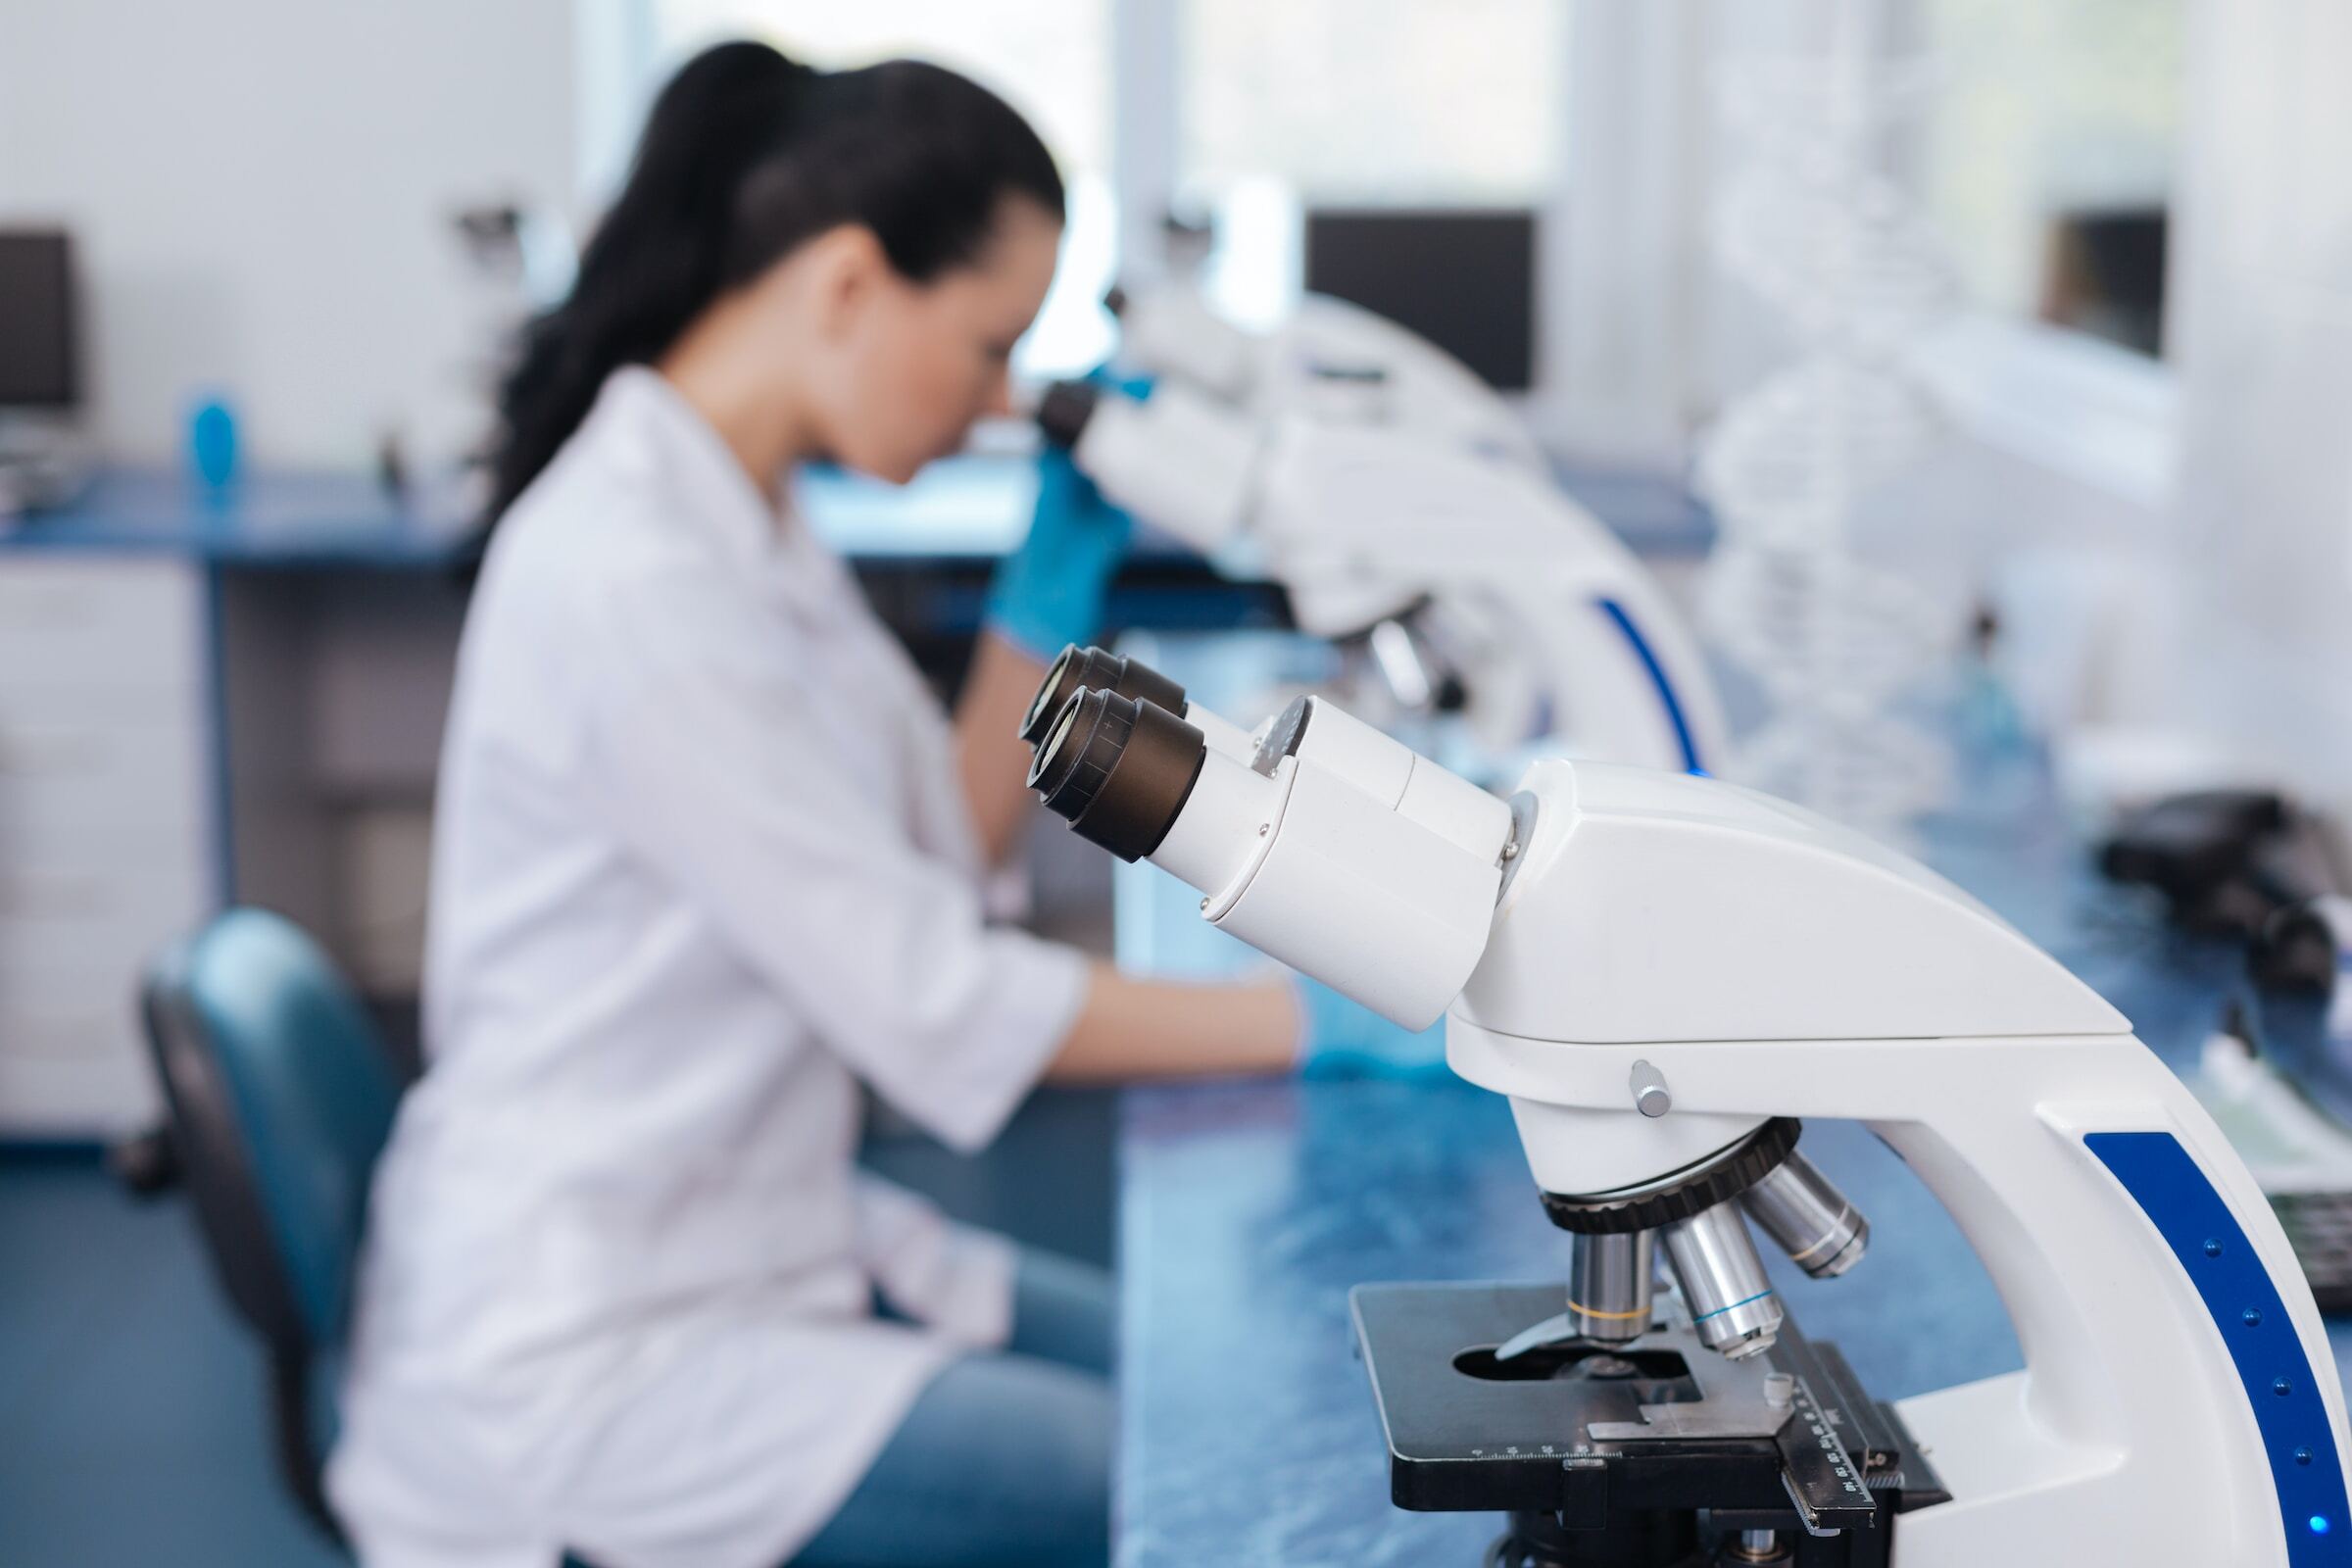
{"x": 700, "y": 867}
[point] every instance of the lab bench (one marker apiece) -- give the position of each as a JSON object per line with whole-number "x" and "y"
{"x": 1248, "y": 1210}
{"x": 239, "y": 696}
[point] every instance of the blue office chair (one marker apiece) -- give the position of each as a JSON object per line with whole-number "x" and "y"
{"x": 280, "y": 1094}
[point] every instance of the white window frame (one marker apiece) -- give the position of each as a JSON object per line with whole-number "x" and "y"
{"x": 1620, "y": 371}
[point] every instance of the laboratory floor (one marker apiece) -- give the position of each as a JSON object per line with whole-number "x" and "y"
{"x": 134, "y": 1429}
{"x": 132, "y": 1426}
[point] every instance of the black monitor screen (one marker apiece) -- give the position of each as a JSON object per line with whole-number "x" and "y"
{"x": 36, "y": 320}
{"x": 1464, "y": 279}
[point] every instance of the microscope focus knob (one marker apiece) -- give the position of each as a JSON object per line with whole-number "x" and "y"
{"x": 1652, "y": 1096}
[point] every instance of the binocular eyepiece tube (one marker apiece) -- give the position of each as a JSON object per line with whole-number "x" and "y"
{"x": 1077, "y": 669}
{"x": 1323, "y": 843}
{"x": 1119, "y": 770}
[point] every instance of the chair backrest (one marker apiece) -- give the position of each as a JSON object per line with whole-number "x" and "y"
{"x": 280, "y": 1095}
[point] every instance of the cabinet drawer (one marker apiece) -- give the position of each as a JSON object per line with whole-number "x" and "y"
{"x": 93, "y": 980}
{"x": 60, "y": 922}
{"x": 139, "y": 769}
{"x": 69, "y": 1029}
{"x": 73, "y": 1074}
{"x": 99, "y": 625}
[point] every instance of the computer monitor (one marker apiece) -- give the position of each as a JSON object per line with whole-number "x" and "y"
{"x": 39, "y": 369}
{"x": 1464, "y": 278}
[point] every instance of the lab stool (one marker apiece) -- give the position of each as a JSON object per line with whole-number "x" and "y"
{"x": 279, "y": 1094}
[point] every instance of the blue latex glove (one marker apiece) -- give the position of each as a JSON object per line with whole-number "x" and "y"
{"x": 1138, "y": 387}
{"x": 1345, "y": 1039}
{"x": 1049, "y": 592}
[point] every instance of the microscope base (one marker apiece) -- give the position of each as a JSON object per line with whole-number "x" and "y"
{"x": 1656, "y": 1454}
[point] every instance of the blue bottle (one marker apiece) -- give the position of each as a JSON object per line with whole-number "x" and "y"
{"x": 212, "y": 444}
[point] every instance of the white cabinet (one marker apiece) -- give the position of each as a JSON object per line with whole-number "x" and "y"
{"x": 105, "y": 825}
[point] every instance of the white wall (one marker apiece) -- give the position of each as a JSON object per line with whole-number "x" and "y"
{"x": 262, "y": 189}
{"x": 2262, "y": 323}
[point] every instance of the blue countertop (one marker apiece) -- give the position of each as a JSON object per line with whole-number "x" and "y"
{"x": 967, "y": 508}
{"x": 961, "y": 509}
{"x": 278, "y": 518}
{"x": 1248, "y": 1210}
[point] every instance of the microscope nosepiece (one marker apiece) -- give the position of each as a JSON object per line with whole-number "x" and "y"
{"x": 1810, "y": 1219}
{"x": 1696, "y": 1214}
{"x": 1080, "y": 669}
{"x": 1119, "y": 770}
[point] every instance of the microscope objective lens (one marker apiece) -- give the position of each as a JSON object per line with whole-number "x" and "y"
{"x": 1609, "y": 1286}
{"x": 1723, "y": 1281}
{"x": 1808, "y": 1218}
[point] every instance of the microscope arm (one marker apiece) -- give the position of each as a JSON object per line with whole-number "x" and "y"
{"x": 1559, "y": 631}
{"x": 1330, "y": 359}
{"x": 1555, "y": 628}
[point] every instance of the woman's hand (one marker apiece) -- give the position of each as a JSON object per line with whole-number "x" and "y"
{"x": 991, "y": 762}
{"x": 1133, "y": 1028}
{"x": 1047, "y": 593}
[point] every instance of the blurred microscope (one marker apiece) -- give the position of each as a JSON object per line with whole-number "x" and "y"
{"x": 1412, "y": 520}
{"x": 1663, "y": 974}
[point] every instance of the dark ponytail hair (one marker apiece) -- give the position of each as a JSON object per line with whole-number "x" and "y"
{"x": 745, "y": 156}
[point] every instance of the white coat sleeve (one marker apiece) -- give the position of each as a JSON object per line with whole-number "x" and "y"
{"x": 720, "y": 779}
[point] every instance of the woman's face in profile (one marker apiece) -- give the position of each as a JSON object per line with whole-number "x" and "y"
{"x": 922, "y": 361}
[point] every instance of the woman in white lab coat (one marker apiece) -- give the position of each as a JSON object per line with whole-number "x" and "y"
{"x": 708, "y": 857}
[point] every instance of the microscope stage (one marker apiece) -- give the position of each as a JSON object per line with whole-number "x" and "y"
{"x": 1595, "y": 1433}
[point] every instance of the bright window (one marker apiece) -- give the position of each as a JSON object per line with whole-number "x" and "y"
{"x": 1360, "y": 102}
{"x": 1275, "y": 106}
{"x": 2050, "y": 156}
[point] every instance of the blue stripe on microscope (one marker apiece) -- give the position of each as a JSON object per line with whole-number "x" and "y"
{"x": 2282, "y": 1387}
{"x": 1719, "y": 1311}
{"x": 1657, "y": 676}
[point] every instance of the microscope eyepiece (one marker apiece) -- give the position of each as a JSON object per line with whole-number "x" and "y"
{"x": 1063, "y": 412}
{"x": 1079, "y": 669}
{"x": 1119, "y": 770}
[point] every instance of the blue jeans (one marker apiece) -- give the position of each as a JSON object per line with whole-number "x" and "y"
{"x": 1005, "y": 1458}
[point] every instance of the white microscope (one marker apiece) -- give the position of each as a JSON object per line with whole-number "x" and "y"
{"x": 1664, "y": 973}
{"x": 1473, "y": 582}
{"x": 1329, "y": 360}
